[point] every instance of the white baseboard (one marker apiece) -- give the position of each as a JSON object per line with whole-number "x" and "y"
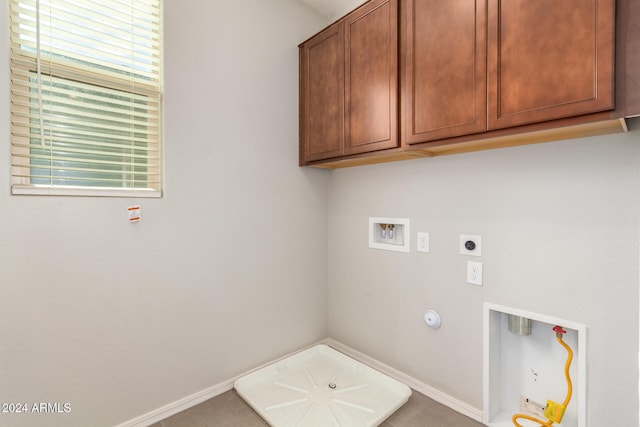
{"x": 185, "y": 403}
{"x": 173, "y": 408}
{"x": 440, "y": 397}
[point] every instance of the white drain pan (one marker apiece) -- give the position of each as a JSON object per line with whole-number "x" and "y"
{"x": 321, "y": 387}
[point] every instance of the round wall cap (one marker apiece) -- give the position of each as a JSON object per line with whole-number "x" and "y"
{"x": 432, "y": 319}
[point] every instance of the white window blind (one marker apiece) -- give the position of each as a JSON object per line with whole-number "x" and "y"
{"x": 86, "y": 97}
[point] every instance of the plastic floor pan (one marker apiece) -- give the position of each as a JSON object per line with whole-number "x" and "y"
{"x": 321, "y": 387}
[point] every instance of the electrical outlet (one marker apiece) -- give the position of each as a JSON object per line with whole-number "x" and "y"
{"x": 470, "y": 245}
{"x": 474, "y": 273}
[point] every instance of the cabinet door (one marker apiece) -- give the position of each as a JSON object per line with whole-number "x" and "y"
{"x": 371, "y": 77}
{"x": 549, "y": 59}
{"x": 444, "y": 69}
{"x": 322, "y": 95}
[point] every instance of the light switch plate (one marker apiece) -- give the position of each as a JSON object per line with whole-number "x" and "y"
{"x": 422, "y": 242}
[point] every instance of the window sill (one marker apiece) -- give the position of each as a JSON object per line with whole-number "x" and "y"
{"x": 45, "y": 190}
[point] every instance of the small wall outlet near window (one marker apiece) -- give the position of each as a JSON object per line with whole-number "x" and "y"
{"x": 391, "y": 234}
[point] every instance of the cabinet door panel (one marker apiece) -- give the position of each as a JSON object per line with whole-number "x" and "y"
{"x": 322, "y": 96}
{"x": 549, "y": 59}
{"x": 444, "y": 69}
{"x": 371, "y": 77}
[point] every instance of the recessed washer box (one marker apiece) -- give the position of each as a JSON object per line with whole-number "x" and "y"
{"x": 391, "y": 234}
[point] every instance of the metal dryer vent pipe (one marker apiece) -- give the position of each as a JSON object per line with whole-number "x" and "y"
{"x": 519, "y": 325}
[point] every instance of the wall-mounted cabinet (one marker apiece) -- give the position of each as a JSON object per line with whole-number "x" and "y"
{"x": 549, "y": 59}
{"x": 471, "y": 74}
{"x": 349, "y": 85}
{"x": 444, "y": 69}
{"x": 544, "y": 60}
{"x": 322, "y": 94}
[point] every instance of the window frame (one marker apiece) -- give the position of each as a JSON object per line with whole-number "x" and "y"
{"x": 25, "y": 63}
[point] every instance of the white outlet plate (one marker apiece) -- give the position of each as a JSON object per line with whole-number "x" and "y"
{"x": 474, "y": 273}
{"x": 422, "y": 242}
{"x": 477, "y": 240}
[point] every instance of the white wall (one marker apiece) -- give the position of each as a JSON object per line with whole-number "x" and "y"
{"x": 559, "y": 225}
{"x": 226, "y": 272}
{"x": 333, "y": 9}
{"x": 119, "y": 319}
{"x": 342, "y": 7}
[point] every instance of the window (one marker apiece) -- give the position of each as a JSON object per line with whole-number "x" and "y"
{"x": 86, "y": 100}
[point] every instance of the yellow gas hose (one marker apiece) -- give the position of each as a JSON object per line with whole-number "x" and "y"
{"x": 567, "y": 365}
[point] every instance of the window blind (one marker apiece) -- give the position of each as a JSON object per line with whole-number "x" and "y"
{"x": 86, "y": 100}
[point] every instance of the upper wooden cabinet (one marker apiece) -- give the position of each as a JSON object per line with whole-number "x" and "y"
{"x": 322, "y": 95}
{"x": 349, "y": 85}
{"x": 549, "y": 59}
{"x": 397, "y": 79}
{"x": 444, "y": 86}
{"x": 544, "y": 60}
